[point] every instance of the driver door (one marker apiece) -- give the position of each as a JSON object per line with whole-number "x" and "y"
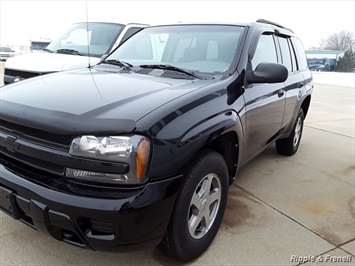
{"x": 264, "y": 103}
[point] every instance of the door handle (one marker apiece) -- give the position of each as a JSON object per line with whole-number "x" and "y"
{"x": 280, "y": 93}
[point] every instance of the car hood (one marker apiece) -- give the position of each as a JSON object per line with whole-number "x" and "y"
{"x": 44, "y": 62}
{"x": 87, "y": 100}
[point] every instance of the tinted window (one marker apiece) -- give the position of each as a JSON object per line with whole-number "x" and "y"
{"x": 301, "y": 56}
{"x": 285, "y": 53}
{"x": 265, "y": 51}
{"x": 293, "y": 56}
{"x": 130, "y": 32}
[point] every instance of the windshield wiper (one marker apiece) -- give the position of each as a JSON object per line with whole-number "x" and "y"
{"x": 172, "y": 68}
{"x": 68, "y": 51}
{"x": 47, "y": 50}
{"x": 118, "y": 63}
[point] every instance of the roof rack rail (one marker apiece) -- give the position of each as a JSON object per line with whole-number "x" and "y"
{"x": 273, "y": 23}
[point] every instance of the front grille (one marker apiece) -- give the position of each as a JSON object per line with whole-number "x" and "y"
{"x": 33, "y": 135}
{"x": 33, "y": 173}
{"x": 22, "y": 74}
{"x": 37, "y": 133}
{"x": 41, "y": 164}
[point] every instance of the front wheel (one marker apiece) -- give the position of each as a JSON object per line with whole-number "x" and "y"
{"x": 199, "y": 208}
{"x": 290, "y": 145}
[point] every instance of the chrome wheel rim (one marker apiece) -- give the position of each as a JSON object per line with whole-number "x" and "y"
{"x": 204, "y": 206}
{"x": 297, "y": 134}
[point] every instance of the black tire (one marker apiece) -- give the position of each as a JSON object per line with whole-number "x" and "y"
{"x": 192, "y": 228}
{"x": 290, "y": 145}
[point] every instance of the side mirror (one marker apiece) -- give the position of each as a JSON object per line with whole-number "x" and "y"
{"x": 267, "y": 73}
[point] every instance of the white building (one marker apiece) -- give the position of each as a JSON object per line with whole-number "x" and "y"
{"x": 323, "y": 60}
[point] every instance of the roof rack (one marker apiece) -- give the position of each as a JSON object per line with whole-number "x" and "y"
{"x": 273, "y": 23}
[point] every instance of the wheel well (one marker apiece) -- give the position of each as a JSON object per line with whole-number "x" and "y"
{"x": 227, "y": 146}
{"x": 305, "y": 105}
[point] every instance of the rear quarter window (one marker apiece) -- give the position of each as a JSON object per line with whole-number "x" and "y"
{"x": 301, "y": 55}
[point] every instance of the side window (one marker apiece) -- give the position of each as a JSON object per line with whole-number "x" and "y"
{"x": 129, "y": 33}
{"x": 301, "y": 55}
{"x": 293, "y": 56}
{"x": 265, "y": 51}
{"x": 285, "y": 53}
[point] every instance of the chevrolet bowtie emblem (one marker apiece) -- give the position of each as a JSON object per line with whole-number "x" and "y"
{"x": 9, "y": 142}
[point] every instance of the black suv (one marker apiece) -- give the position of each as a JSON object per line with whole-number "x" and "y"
{"x": 141, "y": 149}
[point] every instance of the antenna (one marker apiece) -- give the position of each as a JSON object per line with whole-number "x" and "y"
{"x": 87, "y": 32}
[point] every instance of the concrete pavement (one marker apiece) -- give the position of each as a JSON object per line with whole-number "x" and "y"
{"x": 281, "y": 210}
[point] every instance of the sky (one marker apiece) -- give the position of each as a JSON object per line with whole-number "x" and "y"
{"x": 312, "y": 21}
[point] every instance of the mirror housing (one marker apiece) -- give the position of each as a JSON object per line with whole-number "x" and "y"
{"x": 267, "y": 73}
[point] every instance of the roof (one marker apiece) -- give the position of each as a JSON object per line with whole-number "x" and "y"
{"x": 324, "y": 52}
{"x": 259, "y": 23}
{"x": 265, "y": 21}
{"x": 202, "y": 23}
{"x": 225, "y": 23}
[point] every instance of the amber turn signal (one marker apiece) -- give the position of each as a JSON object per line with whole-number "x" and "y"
{"x": 142, "y": 158}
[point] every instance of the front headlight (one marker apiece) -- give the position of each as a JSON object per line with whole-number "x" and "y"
{"x": 133, "y": 150}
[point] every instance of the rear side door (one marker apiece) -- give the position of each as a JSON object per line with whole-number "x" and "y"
{"x": 295, "y": 82}
{"x": 264, "y": 103}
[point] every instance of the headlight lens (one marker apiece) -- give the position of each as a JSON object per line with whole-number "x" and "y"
{"x": 110, "y": 148}
{"x": 133, "y": 150}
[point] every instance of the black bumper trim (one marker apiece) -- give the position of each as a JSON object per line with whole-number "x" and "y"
{"x": 95, "y": 223}
{"x": 7, "y": 203}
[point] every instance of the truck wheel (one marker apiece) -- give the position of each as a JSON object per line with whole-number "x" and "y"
{"x": 199, "y": 207}
{"x": 290, "y": 145}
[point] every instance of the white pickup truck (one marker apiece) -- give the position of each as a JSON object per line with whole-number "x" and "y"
{"x": 83, "y": 44}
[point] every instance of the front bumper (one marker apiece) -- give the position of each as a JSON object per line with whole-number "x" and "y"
{"x": 15, "y": 75}
{"x": 3, "y": 58}
{"x": 97, "y": 223}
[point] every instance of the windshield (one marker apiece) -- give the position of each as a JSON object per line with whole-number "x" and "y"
{"x": 198, "y": 48}
{"x": 99, "y": 36}
{"x": 5, "y": 49}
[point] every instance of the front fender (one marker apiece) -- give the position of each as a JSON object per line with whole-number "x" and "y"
{"x": 171, "y": 155}
{"x": 184, "y": 126}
